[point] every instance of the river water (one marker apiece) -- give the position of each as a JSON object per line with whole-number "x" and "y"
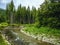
{"x": 18, "y": 38}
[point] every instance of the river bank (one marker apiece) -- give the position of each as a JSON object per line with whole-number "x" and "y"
{"x": 30, "y": 38}
{"x": 3, "y": 41}
{"x": 43, "y": 37}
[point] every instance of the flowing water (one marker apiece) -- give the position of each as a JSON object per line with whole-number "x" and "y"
{"x": 18, "y": 38}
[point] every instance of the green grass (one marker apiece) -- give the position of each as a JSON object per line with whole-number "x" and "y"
{"x": 2, "y": 42}
{"x": 42, "y": 30}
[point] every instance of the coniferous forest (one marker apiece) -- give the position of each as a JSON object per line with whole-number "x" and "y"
{"x": 42, "y": 23}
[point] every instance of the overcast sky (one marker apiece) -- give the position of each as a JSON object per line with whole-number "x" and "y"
{"x": 35, "y": 3}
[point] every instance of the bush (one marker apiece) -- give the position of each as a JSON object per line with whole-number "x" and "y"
{"x": 4, "y": 24}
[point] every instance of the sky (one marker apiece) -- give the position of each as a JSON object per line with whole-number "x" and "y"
{"x": 30, "y": 3}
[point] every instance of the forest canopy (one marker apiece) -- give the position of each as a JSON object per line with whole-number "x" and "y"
{"x": 47, "y": 15}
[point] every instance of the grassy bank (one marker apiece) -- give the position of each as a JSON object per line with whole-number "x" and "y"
{"x": 42, "y": 30}
{"x": 2, "y": 41}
